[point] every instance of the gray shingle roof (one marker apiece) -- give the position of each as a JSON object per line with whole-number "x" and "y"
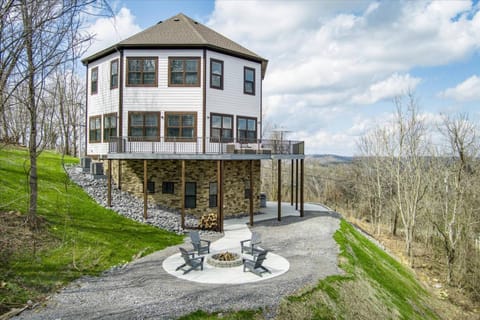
{"x": 182, "y": 31}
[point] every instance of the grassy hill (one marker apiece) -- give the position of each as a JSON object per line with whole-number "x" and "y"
{"x": 77, "y": 236}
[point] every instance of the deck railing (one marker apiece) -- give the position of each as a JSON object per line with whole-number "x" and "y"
{"x": 163, "y": 145}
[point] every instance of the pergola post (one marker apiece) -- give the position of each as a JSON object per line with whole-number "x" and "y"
{"x": 109, "y": 183}
{"x": 183, "y": 195}
{"x": 145, "y": 191}
{"x": 302, "y": 180}
{"x": 279, "y": 190}
{"x": 251, "y": 193}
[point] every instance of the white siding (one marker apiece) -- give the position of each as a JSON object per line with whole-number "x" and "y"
{"x": 163, "y": 98}
{"x": 104, "y": 101}
{"x": 231, "y": 100}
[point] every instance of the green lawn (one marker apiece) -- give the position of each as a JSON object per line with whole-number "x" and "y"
{"x": 80, "y": 237}
{"x": 374, "y": 286}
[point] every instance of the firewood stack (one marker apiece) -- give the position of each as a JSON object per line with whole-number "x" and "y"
{"x": 208, "y": 221}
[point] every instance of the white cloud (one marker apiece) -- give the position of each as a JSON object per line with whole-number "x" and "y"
{"x": 468, "y": 90}
{"x": 109, "y": 30}
{"x": 395, "y": 85}
{"x": 338, "y": 54}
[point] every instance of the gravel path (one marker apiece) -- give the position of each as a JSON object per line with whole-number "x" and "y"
{"x": 143, "y": 290}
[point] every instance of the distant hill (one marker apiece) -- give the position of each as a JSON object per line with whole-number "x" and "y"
{"x": 330, "y": 158}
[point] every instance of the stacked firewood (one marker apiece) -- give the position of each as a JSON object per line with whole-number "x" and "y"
{"x": 208, "y": 221}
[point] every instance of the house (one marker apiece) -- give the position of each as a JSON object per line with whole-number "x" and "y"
{"x": 175, "y": 114}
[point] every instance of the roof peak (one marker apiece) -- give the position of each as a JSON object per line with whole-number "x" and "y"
{"x": 183, "y": 32}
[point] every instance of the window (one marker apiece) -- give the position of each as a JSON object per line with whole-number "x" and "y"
{"x": 246, "y": 129}
{"x": 247, "y": 189}
{"x": 94, "y": 81}
{"x": 95, "y": 129}
{"x": 144, "y": 126}
{"x": 184, "y": 72}
{"x": 114, "y": 74}
{"x": 109, "y": 126}
{"x": 142, "y": 72}
{"x": 168, "y": 187}
{"x": 249, "y": 81}
{"x": 181, "y": 126}
{"x": 190, "y": 195}
{"x": 212, "y": 195}
{"x": 221, "y": 128}
{"x": 216, "y": 74}
{"x": 150, "y": 187}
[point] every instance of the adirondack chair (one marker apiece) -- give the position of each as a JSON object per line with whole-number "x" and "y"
{"x": 199, "y": 245}
{"x": 255, "y": 265}
{"x": 250, "y": 246}
{"x": 191, "y": 262}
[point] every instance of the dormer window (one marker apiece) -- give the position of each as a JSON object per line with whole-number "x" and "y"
{"x": 94, "y": 81}
{"x": 142, "y": 71}
{"x": 184, "y": 72}
{"x": 216, "y": 74}
{"x": 249, "y": 81}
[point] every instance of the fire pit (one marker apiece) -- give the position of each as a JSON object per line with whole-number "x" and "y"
{"x": 225, "y": 260}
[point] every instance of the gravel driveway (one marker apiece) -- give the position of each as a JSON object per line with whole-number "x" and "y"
{"x": 143, "y": 290}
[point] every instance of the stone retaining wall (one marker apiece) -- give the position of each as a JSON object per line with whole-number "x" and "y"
{"x": 202, "y": 172}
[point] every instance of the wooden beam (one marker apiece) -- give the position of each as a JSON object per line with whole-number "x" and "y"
{"x": 291, "y": 182}
{"x": 302, "y": 181}
{"x": 183, "y": 194}
{"x": 296, "y": 184}
{"x": 119, "y": 177}
{"x": 109, "y": 183}
{"x": 145, "y": 191}
{"x": 219, "y": 182}
{"x": 251, "y": 193}
{"x": 279, "y": 190}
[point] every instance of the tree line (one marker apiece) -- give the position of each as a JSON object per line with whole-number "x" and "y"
{"x": 413, "y": 179}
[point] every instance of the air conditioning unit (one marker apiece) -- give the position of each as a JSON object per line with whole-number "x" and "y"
{"x": 96, "y": 168}
{"x": 85, "y": 163}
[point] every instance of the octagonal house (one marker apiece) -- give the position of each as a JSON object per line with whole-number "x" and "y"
{"x": 175, "y": 114}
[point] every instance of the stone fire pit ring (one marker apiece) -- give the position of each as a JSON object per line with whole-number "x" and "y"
{"x": 214, "y": 261}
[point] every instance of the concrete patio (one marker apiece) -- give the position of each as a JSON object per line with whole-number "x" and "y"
{"x": 236, "y": 230}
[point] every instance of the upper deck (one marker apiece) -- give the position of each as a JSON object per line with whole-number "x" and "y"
{"x": 203, "y": 149}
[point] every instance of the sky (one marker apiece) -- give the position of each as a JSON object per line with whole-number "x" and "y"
{"x": 336, "y": 66}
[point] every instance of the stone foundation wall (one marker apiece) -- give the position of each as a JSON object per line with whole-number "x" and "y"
{"x": 202, "y": 172}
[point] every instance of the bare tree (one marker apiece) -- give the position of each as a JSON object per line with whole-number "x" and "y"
{"x": 456, "y": 213}
{"x": 51, "y": 28}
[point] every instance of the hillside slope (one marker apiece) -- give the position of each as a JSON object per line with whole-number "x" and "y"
{"x": 77, "y": 237}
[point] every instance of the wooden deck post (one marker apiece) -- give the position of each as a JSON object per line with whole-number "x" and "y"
{"x": 109, "y": 183}
{"x": 219, "y": 182}
{"x": 145, "y": 191}
{"x": 119, "y": 177}
{"x": 251, "y": 193}
{"x": 183, "y": 195}
{"x": 296, "y": 184}
{"x": 279, "y": 190}
{"x": 291, "y": 182}
{"x": 302, "y": 180}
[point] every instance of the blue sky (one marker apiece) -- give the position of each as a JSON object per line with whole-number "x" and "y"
{"x": 335, "y": 66}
